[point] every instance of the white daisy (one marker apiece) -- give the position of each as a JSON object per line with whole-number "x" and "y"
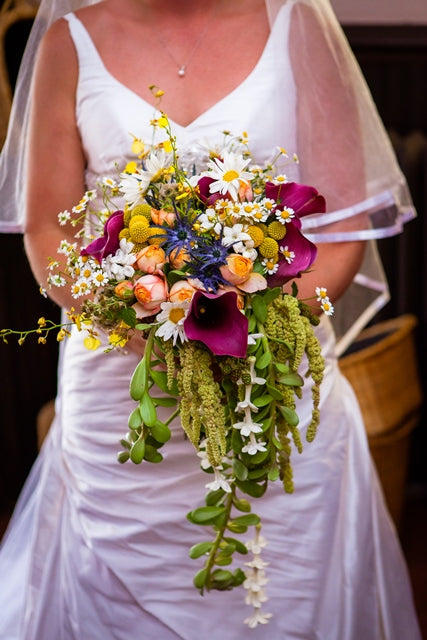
{"x": 327, "y": 307}
{"x": 228, "y": 174}
{"x": 172, "y": 317}
{"x": 134, "y": 185}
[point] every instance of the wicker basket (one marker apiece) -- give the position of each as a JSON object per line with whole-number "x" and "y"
{"x": 382, "y": 369}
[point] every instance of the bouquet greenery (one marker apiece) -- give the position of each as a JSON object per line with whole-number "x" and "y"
{"x": 196, "y": 260}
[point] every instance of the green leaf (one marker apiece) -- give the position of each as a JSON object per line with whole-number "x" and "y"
{"x": 200, "y": 549}
{"x": 240, "y": 547}
{"x": 238, "y": 577}
{"x": 138, "y": 451}
{"x": 221, "y": 576}
{"x": 236, "y": 528}
{"x": 252, "y": 324}
{"x": 128, "y": 315}
{"x": 264, "y": 360}
{"x": 277, "y": 444}
{"x": 143, "y": 327}
{"x": 223, "y": 560}
{"x": 205, "y": 515}
{"x": 152, "y": 455}
{"x": 199, "y": 580}
{"x": 147, "y": 410}
{"x": 213, "y": 497}
{"x": 273, "y": 474}
{"x": 262, "y": 401}
{"x": 134, "y": 420}
{"x": 160, "y": 379}
{"x": 123, "y": 456}
{"x": 247, "y": 520}
{"x": 282, "y": 368}
{"x": 164, "y": 402}
{"x": 291, "y": 379}
{"x": 259, "y": 308}
{"x": 252, "y": 488}
{"x": 290, "y": 415}
{"x": 138, "y": 382}
{"x": 160, "y": 432}
{"x": 240, "y": 471}
{"x": 258, "y": 474}
{"x": 275, "y": 393}
{"x": 271, "y": 294}
{"x": 241, "y": 504}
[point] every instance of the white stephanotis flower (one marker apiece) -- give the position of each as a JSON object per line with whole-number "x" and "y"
{"x": 172, "y": 318}
{"x": 253, "y": 337}
{"x": 258, "y": 617}
{"x": 209, "y": 220}
{"x": 134, "y": 185}
{"x": 220, "y": 482}
{"x": 228, "y": 173}
{"x": 253, "y": 446}
{"x": 119, "y": 266}
{"x": 248, "y": 426}
{"x": 233, "y": 235}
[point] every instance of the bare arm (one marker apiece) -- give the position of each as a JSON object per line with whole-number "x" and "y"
{"x": 55, "y": 156}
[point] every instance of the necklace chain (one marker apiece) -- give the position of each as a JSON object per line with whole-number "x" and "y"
{"x": 182, "y": 68}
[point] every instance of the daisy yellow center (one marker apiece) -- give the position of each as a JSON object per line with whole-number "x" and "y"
{"x": 176, "y": 315}
{"x": 230, "y": 175}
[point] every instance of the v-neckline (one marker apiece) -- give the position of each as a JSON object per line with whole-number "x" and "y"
{"x": 204, "y": 113}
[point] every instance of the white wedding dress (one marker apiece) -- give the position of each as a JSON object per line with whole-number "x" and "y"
{"x": 99, "y": 550}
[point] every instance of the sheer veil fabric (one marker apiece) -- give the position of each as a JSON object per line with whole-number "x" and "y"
{"x": 366, "y": 193}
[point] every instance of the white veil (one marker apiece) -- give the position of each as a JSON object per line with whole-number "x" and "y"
{"x": 329, "y": 84}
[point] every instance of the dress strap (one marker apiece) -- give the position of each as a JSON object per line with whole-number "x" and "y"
{"x": 87, "y": 53}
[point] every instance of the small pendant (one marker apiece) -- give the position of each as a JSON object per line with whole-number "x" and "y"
{"x": 181, "y": 71}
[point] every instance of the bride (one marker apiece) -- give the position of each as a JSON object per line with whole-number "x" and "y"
{"x": 100, "y": 550}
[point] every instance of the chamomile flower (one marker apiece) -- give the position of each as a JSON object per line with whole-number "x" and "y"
{"x": 280, "y": 179}
{"x": 63, "y": 217}
{"x": 134, "y": 185}
{"x": 288, "y": 254}
{"x": 285, "y": 215}
{"x": 172, "y": 318}
{"x": 228, "y": 174}
{"x": 321, "y": 293}
{"x": 327, "y": 307}
{"x": 270, "y": 266}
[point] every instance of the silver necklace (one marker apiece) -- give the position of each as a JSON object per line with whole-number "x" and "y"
{"x": 182, "y": 68}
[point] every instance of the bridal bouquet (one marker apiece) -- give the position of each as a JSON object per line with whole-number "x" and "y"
{"x": 195, "y": 260}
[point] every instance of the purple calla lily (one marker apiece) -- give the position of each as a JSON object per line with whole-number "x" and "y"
{"x": 109, "y": 243}
{"x": 305, "y": 254}
{"x": 217, "y": 321}
{"x": 302, "y": 198}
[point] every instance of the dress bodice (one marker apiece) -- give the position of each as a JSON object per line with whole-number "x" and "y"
{"x": 109, "y": 113}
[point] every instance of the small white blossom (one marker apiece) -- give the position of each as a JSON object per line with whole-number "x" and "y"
{"x": 285, "y": 215}
{"x": 233, "y": 235}
{"x": 220, "y": 482}
{"x": 253, "y": 446}
{"x": 287, "y": 254}
{"x": 258, "y": 617}
{"x": 63, "y": 217}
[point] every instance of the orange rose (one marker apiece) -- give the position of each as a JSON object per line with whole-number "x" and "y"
{"x": 237, "y": 269}
{"x": 181, "y": 291}
{"x": 150, "y": 259}
{"x": 150, "y": 291}
{"x": 159, "y": 216}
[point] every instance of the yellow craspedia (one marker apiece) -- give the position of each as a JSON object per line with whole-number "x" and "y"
{"x": 276, "y": 230}
{"x": 139, "y": 234}
{"x": 138, "y": 221}
{"x": 127, "y": 214}
{"x": 257, "y": 234}
{"x": 142, "y": 210}
{"x": 124, "y": 233}
{"x": 137, "y": 246}
{"x": 268, "y": 248}
{"x": 155, "y": 236}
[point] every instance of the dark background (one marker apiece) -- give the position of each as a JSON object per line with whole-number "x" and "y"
{"x": 394, "y": 61}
